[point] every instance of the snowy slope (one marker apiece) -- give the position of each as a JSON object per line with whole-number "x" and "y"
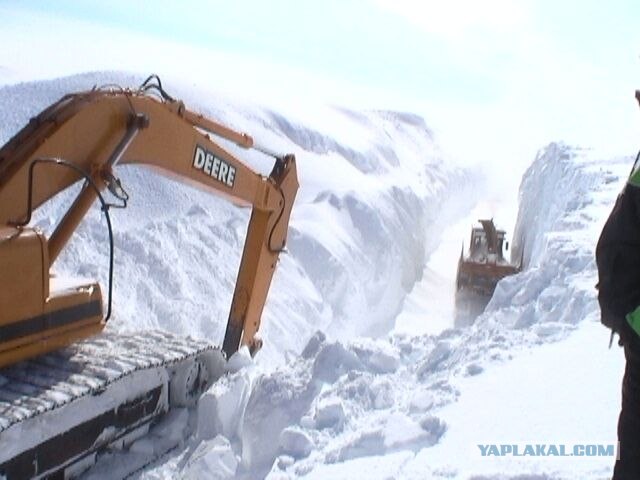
{"x": 372, "y": 184}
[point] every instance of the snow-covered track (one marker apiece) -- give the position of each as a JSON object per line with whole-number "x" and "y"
{"x": 61, "y": 409}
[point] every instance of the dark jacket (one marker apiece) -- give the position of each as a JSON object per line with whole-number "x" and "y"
{"x": 618, "y": 261}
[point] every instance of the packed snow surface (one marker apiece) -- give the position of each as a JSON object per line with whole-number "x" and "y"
{"x": 349, "y": 384}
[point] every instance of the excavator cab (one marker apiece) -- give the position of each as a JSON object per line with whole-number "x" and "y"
{"x": 40, "y": 313}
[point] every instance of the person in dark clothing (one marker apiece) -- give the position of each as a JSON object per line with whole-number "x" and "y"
{"x": 618, "y": 261}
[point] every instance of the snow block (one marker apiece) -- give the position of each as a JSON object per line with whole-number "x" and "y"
{"x": 473, "y": 369}
{"x": 435, "y": 360}
{"x": 434, "y": 426}
{"x": 401, "y": 431}
{"x": 173, "y": 426}
{"x": 364, "y": 445}
{"x": 212, "y": 459}
{"x": 239, "y": 360}
{"x": 330, "y": 415}
{"x": 277, "y": 401}
{"x": 221, "y": 409}
{"x": 421, "y": 401}
{"x": 295, "y": 443}
{"x": 333, "y": 361}
{"x": 313, "y": 345}
{"x": 378, "y": 357}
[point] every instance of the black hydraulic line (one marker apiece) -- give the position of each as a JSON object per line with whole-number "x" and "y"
{"x": 281, "y": 248}
{"x": 104, "y": 207}
{"x": 277, "y": 170}
{"x": 147, "y": 85}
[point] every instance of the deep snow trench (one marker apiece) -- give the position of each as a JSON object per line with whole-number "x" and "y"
{"x": 430, "y": 306}
{"x": 533, "y": 368}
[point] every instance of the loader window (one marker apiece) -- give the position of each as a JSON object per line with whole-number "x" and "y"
{"x": 478, "y": 242}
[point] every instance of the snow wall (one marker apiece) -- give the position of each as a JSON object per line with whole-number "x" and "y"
{"x": 565, "y": 197}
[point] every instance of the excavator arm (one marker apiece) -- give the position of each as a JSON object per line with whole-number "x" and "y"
{"x": 98, "y": 130}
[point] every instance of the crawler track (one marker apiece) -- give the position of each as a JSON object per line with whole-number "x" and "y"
{"x": 64, "y": 407}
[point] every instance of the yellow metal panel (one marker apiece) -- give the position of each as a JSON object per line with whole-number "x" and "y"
{"x": 22, "y": 289}
{"x": 58, "y": 339}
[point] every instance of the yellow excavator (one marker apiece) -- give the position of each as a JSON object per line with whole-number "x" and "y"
{"x": 68, "y": 391}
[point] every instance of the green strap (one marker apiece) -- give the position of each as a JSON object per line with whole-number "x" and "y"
{"x": 634, "y": 178}
{"x": 633, "y": 319}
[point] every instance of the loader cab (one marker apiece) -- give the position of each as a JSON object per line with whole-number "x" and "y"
{"x": 478, "y": 242}
{"x": 482, "y": 244}
{"x": 500, "y": 243}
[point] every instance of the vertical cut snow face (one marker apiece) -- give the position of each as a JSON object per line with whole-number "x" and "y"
{"x": 565, "y": 197}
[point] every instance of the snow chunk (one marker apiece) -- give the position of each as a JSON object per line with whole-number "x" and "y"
{"x": 434, "y": 427}
{"x": 374, "y": 467}
{"x": 384, "y": 362}
{"x": 363, "y": 445}
{"x": 378, "y": 357}
{"x": 333, "y": 361}
{"x": 278, "y": 400}
{"x": 212, "y": 459}
{"x": 295, "y": 443}
{"x": 400, "y": 430}
{"x": 382, "y": 391}
{"x": 313, "y": 345}
{"x": 239, "y": 360}
{"x": 435, "y": 360}
{"x": 421, "y": 401}
{"x": 144, "y": 446}
{"x": 221, "y": 409}
{"x": 330, "y": 414}
{"x": 173, "y": 426}
{"x": 474, "y": 369}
